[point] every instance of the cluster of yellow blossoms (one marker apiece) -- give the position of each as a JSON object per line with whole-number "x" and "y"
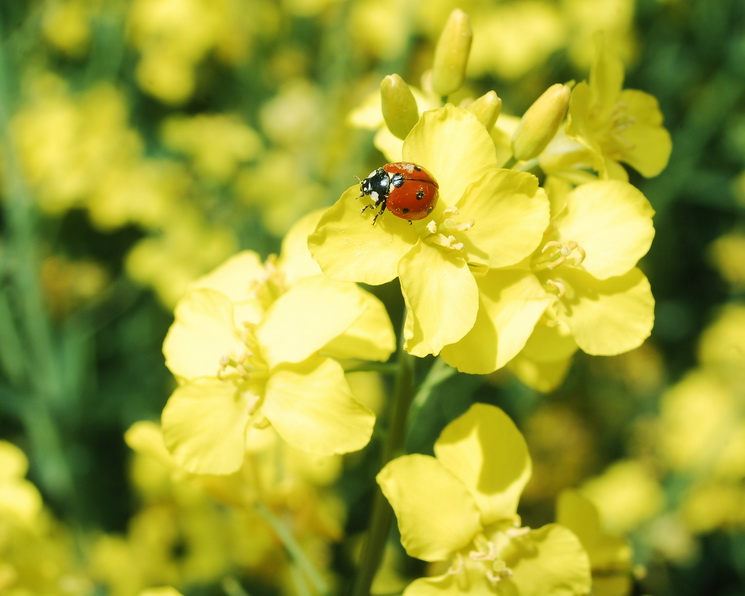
{"x": 509, "y": 269}
{"x": 506, "y": 271}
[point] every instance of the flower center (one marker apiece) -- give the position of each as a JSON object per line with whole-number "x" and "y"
{"x": 612, "y": 137}
{"x": 243, "y": 365}
{"x": 442, "y": 232}
{"x": 554, "y": 254}
{"x": 271, "y": 285}
{"x": 486, "y": 554}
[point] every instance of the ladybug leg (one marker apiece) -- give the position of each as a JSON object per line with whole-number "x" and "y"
{"x": 379, "y": 213}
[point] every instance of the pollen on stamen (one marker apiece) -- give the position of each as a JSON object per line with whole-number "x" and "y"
{"x": 462, "y": 226}
{"x": 556, "y": 254}
{"x": 222, "y": 365}
{"x": 453, "y": 244}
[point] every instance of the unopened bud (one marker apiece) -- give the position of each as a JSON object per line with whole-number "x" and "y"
{"x": 487, "y": 109}
{"x": 399, "y": 106}
{"x": 451, "y": 54}
{"x": 541, "y": 122}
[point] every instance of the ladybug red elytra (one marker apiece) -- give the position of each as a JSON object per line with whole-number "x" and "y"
{"x": 405, "y": 189}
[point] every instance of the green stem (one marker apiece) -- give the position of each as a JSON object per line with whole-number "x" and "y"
{"x": 296, "y": 553}
{"x": 382, "y": 368}
{"x": 439, "y": 372}
{"x": 382, "y": 515}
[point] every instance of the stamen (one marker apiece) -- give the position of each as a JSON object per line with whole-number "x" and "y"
{"x": 451, "y": 224}
{"x": 489, "y": 555}
{"x": 499, "y": 572}
{"x": 457, "y": 566}
{"x": 556, "y": 254}
{"x": 556, "y": 287}
{"x": 252, "y": 402}
{"x": 516, "y": 532}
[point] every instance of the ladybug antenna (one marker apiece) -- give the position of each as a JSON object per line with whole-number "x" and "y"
{"x": 362, "y": 194}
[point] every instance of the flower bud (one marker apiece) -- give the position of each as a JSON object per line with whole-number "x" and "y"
{"x": 451, "y": 54}
{"x": 399, "y": 106}
{"x": 541, "y": 122}
{"x": 487, "y": 109}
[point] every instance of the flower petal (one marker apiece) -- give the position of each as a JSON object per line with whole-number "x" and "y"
{"x": 432, "y": 529}
{"x": 233, "y": 278}
{"x": 651, "y": 143}
{"x": 370, "y": 337}
{"x": 306, "y": 317}
{"x": 204, "y": 426}
{"x": 611, "y": 316}
{"x": 510, "y": 304}
{"x": 202, "y": 334}
{"x": 295, "y": 260}
{"x": 348, "y": 247}
{"x": 557, "y": 563}
{"x": 510, "y": 213}
{"x": 541, "y": 376}
{"x": 544, "y": 361}
{"x": 606, "y": 77}
{"x": 612, "y": 222}
{"x": 485, "y": 451}
{"x": 312, "y": 408}
{"x": 441, "y": 296}
{"x": 454, "y": 146}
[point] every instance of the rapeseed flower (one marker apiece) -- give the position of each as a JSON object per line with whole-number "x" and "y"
{"x": 600, "y": 301}
{"x": 459, "y": 508}
{"x": 588, "y": 258}
{"x": 486, "y": 218}
{"x": 616, "y": 124}
{"x": 251, "y": 350}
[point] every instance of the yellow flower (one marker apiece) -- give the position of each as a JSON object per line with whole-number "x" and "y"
{"x": 618, "y": 125}
{"x": 291, "y": 484}
{"x": 251, "y": 350}
{"x": 480, "y": 468}
{"x": 587, "y": 259}
{"x": 485, "y": 218}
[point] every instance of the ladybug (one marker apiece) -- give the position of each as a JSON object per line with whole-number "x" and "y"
{"x": 405, "y": 189}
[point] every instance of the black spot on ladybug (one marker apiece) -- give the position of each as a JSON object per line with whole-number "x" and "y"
{"x": 419, "y": 195}
{"x": 405, "y": 209}
{"x": 418, "y": 168}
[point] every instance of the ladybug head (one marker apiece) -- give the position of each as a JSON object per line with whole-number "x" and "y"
{"x": 376, "y": 185}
